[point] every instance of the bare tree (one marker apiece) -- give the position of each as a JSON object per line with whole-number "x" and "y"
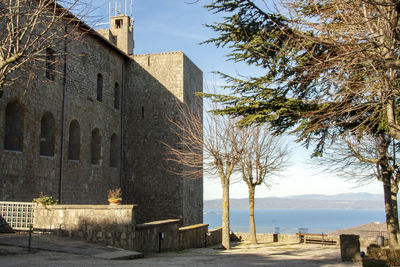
{"x": 29, "y": 32}
{"x": 219, "y": 141}
{"x": 366, "y": 158}
{"x": 264, "y": 157}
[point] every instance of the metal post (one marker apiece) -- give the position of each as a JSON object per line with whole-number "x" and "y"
{"x": 30, "y": 238}
{"x": 159, "y": 241}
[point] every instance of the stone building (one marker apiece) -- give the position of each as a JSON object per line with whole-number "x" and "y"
{"x": 97, "y": 121}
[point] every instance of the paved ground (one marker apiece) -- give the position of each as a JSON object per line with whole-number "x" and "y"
{"x": 77, "y": 253}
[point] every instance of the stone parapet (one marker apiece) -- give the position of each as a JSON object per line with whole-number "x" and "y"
{"x": 157, "y": 236}
{"x": 111, "y": 225}
{"x": 193, "y": 236}
{"x": 268, "y": 237}
{"x": 214, "y": 236}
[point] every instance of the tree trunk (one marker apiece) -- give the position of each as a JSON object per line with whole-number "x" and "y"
{"x": 253, "y": 234}
{"x": 394, "y": 191}
{"x": 225, "y": 216}
{"x": 394, "y": 128}
{"x": 392, "y": 227}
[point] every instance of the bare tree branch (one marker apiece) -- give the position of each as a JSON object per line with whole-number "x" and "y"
{"x": 29, "y": 29}
{"x": 218, "y": 140}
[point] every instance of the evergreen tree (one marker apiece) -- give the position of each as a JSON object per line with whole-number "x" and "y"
{"x": 331, "y": 67}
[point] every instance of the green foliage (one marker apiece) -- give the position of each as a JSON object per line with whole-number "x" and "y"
{"x": 45, "y": 200}
{"x": 318, "y": 84}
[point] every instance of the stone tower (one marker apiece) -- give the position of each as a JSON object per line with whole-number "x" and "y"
{"x": 154, "y": 87}
{"x": 120, "y": 33}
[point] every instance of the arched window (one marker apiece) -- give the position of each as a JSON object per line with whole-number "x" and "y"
{"x": 114, "y": 151}
{"x": 96, "y": 147}
{"x": 74, "y": 140}
{"x": 47, "y": 132}
{"x": 14, "y": 127}
{"x": 116, "y": 96}
{"x": 99, "y": 87}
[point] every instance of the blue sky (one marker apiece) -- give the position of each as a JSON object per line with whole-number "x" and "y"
{"x": 173, "y": 25}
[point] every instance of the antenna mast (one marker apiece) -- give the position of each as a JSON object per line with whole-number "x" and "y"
{"x": 118, "y": 8}
{"x": 109, "y": 10}
{"x": 131, "y": 8}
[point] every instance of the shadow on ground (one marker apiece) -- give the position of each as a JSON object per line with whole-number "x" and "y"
{"x": 242, "y": 254}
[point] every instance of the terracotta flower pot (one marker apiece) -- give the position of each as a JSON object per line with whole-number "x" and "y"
{"x": 114, "y": 201}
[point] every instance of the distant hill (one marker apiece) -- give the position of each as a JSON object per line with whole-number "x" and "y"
{"x": 313, "y": 201}
{"x": 344, "y": 196}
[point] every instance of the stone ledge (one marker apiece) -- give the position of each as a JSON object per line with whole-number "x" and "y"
{"x": 215, "y": 229}
{"x": 191, "y": 227}
{"x": 120, "y": 255}
{"x": 149, "y": 225}
{"x": 162, "y": 53}
{"x": 93, "y": 207}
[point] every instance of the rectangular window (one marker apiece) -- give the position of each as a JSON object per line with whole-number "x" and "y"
{"x": 50, "y": 64}
{"x": 119, "y": 23}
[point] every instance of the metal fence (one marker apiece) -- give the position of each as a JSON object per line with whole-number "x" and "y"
{"x": 282, "y": 230}
{"x": 18, "y": 215}
{"x": 370, "y": 233}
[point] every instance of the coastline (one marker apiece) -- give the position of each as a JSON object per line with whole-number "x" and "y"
{"x": 296, "y": 220}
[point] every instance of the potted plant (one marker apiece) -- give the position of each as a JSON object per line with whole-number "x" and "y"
{"x": 44, "y": 200}
{"x": 114, "y": 196}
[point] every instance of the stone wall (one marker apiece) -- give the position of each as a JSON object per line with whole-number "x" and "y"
{"x": 26, "y": 173}
{"x": 214, "y": 236}
{"x": 193, "y": 236}
{"x": 157, "y": 236}
{"x": 157, "y": 83}
{"x": 266, "y": 237}
{"x": 192, "y": 188}
{"x": 111, "y": 225}
{"x": 151, "y": 87}
{"x": 85, "y": 182}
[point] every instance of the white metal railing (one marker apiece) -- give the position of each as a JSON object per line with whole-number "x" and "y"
{"x": 18, "y": 215}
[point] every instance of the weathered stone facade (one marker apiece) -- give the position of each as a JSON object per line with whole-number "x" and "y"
{"x": 169, "y": 79}
{"x": 116, "y": 226}
{"x": 110, "y": 225}
{"x": 99, "y": 125}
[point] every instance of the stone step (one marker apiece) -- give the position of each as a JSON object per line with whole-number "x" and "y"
{"x": 120, "y": 255}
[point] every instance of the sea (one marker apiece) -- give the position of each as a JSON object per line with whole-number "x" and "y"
{"x": 314, "y": 221}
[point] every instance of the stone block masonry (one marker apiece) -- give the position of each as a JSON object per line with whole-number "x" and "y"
{"x": 193, "y": 236}
{"x": 98, "y": 124}
{"x": 214, "y": 236}
{"x": 116, "y": 226}
{"x": 157, "y": 236}
{"x": 111, "y": 225}
{"x": 27, "y": 172}
{"x": 157, "y": 84}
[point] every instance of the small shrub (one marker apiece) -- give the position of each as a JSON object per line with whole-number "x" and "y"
{"x": 392, "y": 256}
{"x": 374, "y": 251}
{"x": 366, "y": 262}
{"x": 378, "y": 256}
{"x": 45, "y": 200}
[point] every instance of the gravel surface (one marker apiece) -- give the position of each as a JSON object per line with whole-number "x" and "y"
{"x": 242, "y": 254}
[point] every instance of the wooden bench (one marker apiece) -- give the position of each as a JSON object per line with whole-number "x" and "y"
{"x": 316, "y": 239}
